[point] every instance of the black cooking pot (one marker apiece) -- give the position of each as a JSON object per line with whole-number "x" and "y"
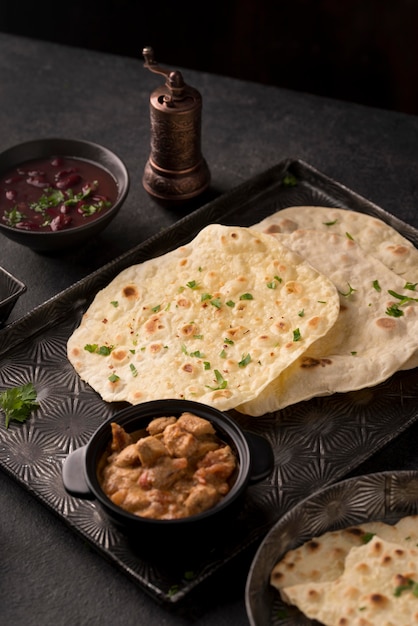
{"x": 255, "y": 462}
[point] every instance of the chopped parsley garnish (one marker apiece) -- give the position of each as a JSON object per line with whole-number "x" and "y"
{"x": 410, "y": 585}
{"x": 18, "y": 403}
{"x": 289, "y": 180}
{"x": 301, "y": 313}
{"x": 245, "y": 360}
{"x": 246, "y": 296}
{"x": 330, "y": 223}
{"x": 197, "y": 354}
{"x": 13, "y": 217}
{"x": 273, "y": 284}
{"x": 296, "y": 335}
{"x": 54, "y": 197}
{"x": 411, "y": 286}
{"x": 402, "y": 298}
{"x": 133, "y": 370}
{"x": 173, "y": 590}
{"x": 114, "y": 303}
{"x": 205, "y": 296}
{"x": 349, "y": 236}
{"x": 95, "y": 348}
{"x": 228, "y": 341}
{"x": 377, "y": 286}
{"x": 113, "y": 378}
{"x": 222, "y": 383}
{"x": 192, "y": 284}
{"x": 230, "y": 303}
{"x": 394, "y": 309}
{"x": 216, "y": 302}
{"x": 367, "y": 537}
{"x": 156, "y": 308}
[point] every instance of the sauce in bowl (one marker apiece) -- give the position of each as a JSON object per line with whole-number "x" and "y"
{"x": 55, "y": 193}
{"x": 177, "y": 468}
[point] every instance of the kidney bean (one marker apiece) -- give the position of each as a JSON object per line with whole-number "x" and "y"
{"x": 27, "y": 225}
{"x": 38, "y": 173}
{"x": 37, "y": 181}
{"x": 60, "y": 222}
{"x": 70, "y": 181}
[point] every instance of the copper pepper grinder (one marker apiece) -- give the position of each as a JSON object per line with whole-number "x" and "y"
{"x": 175, "y": 170}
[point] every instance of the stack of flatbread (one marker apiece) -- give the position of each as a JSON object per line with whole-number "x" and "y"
{"x": 369, "y": 262}
{"x": 309, "y": 302}
{"x": 213, "y": 321}
{"x": 360, "y": 576}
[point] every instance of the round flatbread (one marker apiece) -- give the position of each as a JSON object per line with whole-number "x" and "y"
{"x": 214, "y": 321}
{"x": 374, "y": 333}
{"x": 322, "y": 558}
{"x": 373, "y": 234}
{"x": 362, "y": 574}
{"x": 377, "y": 588}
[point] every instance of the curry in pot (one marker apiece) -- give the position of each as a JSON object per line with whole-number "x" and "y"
{"x": 177, "y": 468}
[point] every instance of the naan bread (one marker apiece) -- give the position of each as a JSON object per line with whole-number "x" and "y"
{"x": 349, "y": 576}
{"x": 372, "y": 234}
{"x": 372, "y": 590}
{"x": 214, "y": 321}
{"x": 365, "y": 346}
{"x": 323, "y": 558}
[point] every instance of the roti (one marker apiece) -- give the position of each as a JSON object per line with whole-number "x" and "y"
{"x": 375, "y": 236}
{"x": 214, "y": 321}
{"x": 323, "y": 558}
{"x": 358, "y": 573}
{"x": 377, "y": 588}
{"x": 371, "y": 338}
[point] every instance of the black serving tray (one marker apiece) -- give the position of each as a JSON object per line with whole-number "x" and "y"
{"x": 315, "y": 442}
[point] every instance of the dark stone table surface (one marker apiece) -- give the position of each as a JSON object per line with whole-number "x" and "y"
{"x": 48, "y": 575}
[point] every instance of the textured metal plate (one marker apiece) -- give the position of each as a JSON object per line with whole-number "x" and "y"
{"x": 315, "y": 442}
{"x": 386, "y": 496}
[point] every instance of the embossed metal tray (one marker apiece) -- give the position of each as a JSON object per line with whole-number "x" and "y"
{"x": 315, "y": 442}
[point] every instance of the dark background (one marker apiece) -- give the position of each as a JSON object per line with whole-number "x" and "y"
{"x": 363, "y": 51}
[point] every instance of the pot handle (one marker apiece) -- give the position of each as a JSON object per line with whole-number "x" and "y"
{"x": 262, "y": 456}
{"x": 74, "y": 476}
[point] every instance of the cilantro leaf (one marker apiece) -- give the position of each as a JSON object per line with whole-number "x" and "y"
{"x": 18, "y": 403}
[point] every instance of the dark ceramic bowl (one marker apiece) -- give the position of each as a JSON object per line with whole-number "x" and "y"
{"x": 55, "y": 241}
{"x": 255, "y": 461}
{"x": 10, "y": 291}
